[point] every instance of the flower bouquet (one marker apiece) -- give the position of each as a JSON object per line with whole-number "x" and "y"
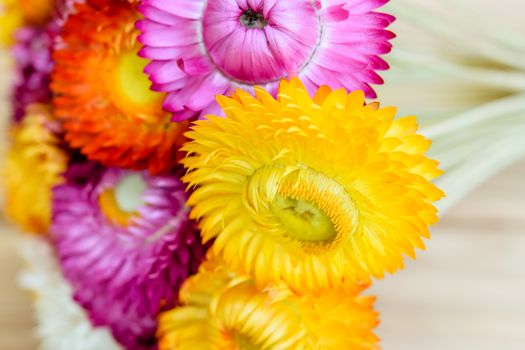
{"x": 209, "y": 174}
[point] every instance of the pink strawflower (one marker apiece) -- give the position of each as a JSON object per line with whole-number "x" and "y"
{"x": 202, "y": 48}
{"x": 126, "y": 244}
{"x": 32, "y": 58}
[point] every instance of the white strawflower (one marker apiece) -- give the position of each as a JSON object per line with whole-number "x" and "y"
{"x": 61, "y": 323}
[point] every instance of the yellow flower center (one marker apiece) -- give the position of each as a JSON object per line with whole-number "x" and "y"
{"x": 131, "y": 79}
{"x": 121, "y": 203}
{"x": 132, "y": 87}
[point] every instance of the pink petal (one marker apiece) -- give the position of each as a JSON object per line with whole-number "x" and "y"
{"x": 166, "y": 37}
{"x": 191, "y": 9}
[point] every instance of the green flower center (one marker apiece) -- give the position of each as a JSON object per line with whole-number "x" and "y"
{"x": 244, "y": 343}
{"x": 120, "y": 204}
{"x": 306, "y": 206}
{"x": 129, "y": 191}
{"x": 303, "y": 220}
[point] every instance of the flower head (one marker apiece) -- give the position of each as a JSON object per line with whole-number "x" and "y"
{"x": 61, "y": 323}
{"x": 221, "y": 310}
{"x": 10, "y": 20}
{"x": 32, "y": 56}
{"x": 16, "y": 13}
{"x": 32, "y": 59}
{"x": 126, "y": 244}
{"x": 102, "y": 95}
{"x": 33, "y": 165}
{"x": 314, "y": 191}
{"x": 201, "y": 48}
{"x": 37, "y": 12}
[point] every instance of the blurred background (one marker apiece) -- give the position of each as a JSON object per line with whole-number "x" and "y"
{"x": 453, "y": 60}
{"x": 464, "y": 60}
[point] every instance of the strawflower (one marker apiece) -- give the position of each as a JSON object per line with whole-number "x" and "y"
{"x": 126, "y": 244}
{"x": 102, "y": 95}
{"x": 37, "y": 12}
{"x": 61, "y": 322}
{"x": 203, "y": 48}
{"x": 32, "y": 59}
{"x": 34, "y": 164}
{"x": 10, "y": 20}
{"x": 224, "y": 311}
{"x": 33, "y": 65}
{"x": 16, "y": 13}
{"x": 315, "y": 191}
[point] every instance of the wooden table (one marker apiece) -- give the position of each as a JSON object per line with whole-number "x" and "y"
{"x": 15, "y": 310}
{"x": 467, "y": 291}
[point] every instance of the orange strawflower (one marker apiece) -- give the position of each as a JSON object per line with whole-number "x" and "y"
{"x": 102, "y": 95}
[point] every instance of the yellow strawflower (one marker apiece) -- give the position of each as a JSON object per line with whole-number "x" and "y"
{"x": 10, "y": 20}
{"x": 16, "y": 13}
{"x": 312, "y": 191}
{"x": 223, "y": 311}
{"x": 33, "y": 165}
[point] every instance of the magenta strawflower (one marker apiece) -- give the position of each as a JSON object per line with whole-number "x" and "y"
{"x": 126, "y": 244}
{"x": 201, "y": 48}
{"x": 32, "y": 57}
